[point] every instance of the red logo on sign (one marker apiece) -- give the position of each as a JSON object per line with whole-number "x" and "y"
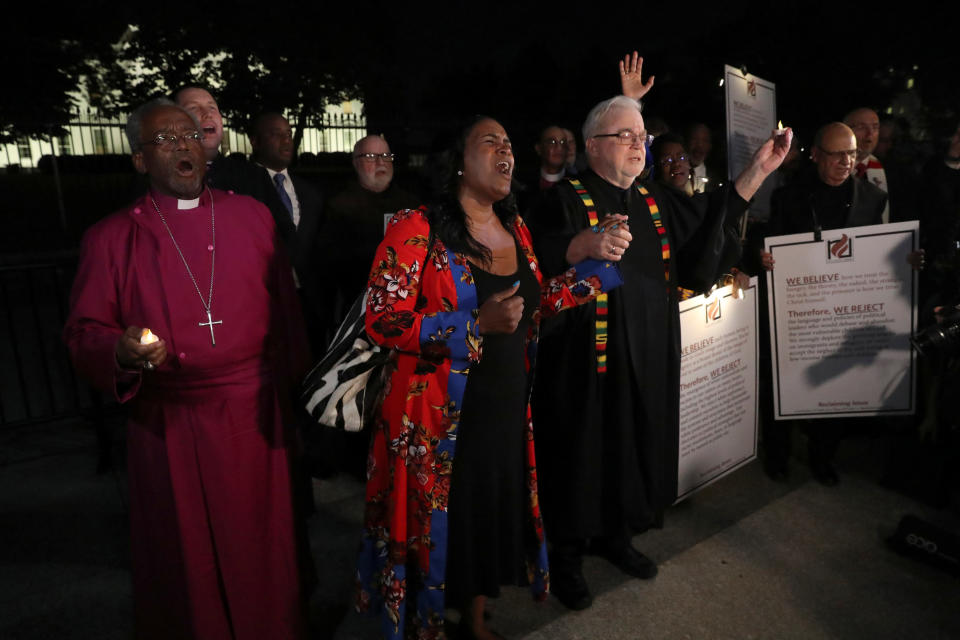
{"x": 713, "y": 310}
{"x": 841, "y": 248}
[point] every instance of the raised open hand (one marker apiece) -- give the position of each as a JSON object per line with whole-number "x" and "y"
{"x": 631, "y": 82}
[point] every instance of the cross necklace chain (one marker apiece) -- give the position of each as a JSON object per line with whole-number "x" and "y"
{"x": 213, "y": 258}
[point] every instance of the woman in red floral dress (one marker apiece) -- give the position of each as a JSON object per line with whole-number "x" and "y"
{"x": 456, "y": 292}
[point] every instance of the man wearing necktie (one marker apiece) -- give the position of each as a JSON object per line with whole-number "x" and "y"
{"x": 296, "y": 208}
{"x": 280, "y": 181}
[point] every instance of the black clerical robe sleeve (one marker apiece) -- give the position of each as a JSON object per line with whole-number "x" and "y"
{"x": 704, "y": 230}
{"x": 553, "y": 223}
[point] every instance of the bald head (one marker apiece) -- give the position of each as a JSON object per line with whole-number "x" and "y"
{"x": 834, "y": 152}
{"x": 373, "y": 173}
{"x": 865, "y": 124}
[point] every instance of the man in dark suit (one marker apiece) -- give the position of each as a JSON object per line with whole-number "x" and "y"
{"x": 830, "y": 198}
{"x": 296, "y": 208}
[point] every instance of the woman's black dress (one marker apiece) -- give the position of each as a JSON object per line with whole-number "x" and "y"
{"x": 487, "y": 510}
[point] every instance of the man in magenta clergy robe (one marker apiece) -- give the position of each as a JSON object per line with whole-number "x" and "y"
{"x": 213, "y": 553}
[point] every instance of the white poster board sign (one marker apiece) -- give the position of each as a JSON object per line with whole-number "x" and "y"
{"x": 751, "y": 116}
{"x": 842, "y": 310}
{"x": 718, "y": 387}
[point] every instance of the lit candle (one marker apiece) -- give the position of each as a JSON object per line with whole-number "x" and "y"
{"x": 148, "y": 337}
{"x": 780, "y": 130}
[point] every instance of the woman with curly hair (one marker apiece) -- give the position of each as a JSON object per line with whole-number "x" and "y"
{"x": 456, "y": 292}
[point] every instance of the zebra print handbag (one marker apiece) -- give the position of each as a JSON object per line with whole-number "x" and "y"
{"x": 345, "y": 387}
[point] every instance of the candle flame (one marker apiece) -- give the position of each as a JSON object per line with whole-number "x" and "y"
{"x": 779, "y": 124}
{"x": 148, "y": 337}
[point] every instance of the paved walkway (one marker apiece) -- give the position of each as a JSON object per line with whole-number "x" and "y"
{"x": 744, "y": 558}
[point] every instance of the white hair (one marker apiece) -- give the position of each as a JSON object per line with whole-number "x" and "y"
{"x": 592, "y": 123}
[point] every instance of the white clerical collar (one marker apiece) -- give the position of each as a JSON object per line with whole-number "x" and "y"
{"x": 551, "y": 177}
{"x": 188, "y": 204}
{"x": 271, "y": 172}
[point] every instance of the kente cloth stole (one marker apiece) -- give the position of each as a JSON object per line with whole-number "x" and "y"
{"x": 600, "y": 329}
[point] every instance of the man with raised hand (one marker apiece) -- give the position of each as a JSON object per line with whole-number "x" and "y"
{"x": 607, "y": 387}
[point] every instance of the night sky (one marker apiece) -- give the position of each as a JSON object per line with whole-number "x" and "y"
{"x": 529, "y": 67}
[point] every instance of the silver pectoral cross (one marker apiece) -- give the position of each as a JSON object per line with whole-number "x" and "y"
{"x": 210, "y": 323}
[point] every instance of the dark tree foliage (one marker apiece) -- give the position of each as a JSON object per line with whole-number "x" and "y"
{"x": 42, "y": 58}
{"x": 420, "y": 65}
{"x": 251, "y": 59}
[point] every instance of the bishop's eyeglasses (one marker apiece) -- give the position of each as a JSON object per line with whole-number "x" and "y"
{"x": 169, "y": 140}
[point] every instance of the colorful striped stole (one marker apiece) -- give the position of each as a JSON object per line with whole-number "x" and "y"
{"x": 600, "y": 325}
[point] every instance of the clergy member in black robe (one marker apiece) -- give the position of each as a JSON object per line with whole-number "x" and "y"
{"x": 607, "y": 442}
{"x": 610, "y": 441}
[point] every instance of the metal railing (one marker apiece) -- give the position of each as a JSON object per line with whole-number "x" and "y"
{"x": 37, "y": 382}
{"x": 91, "y": 134}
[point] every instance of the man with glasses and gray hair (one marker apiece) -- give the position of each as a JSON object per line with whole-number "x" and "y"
{"x": 356, "y": 221}
{"x": 357, "y": 216}
{"x": 607, "y": 386}
{"x": 181, "y": 310}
